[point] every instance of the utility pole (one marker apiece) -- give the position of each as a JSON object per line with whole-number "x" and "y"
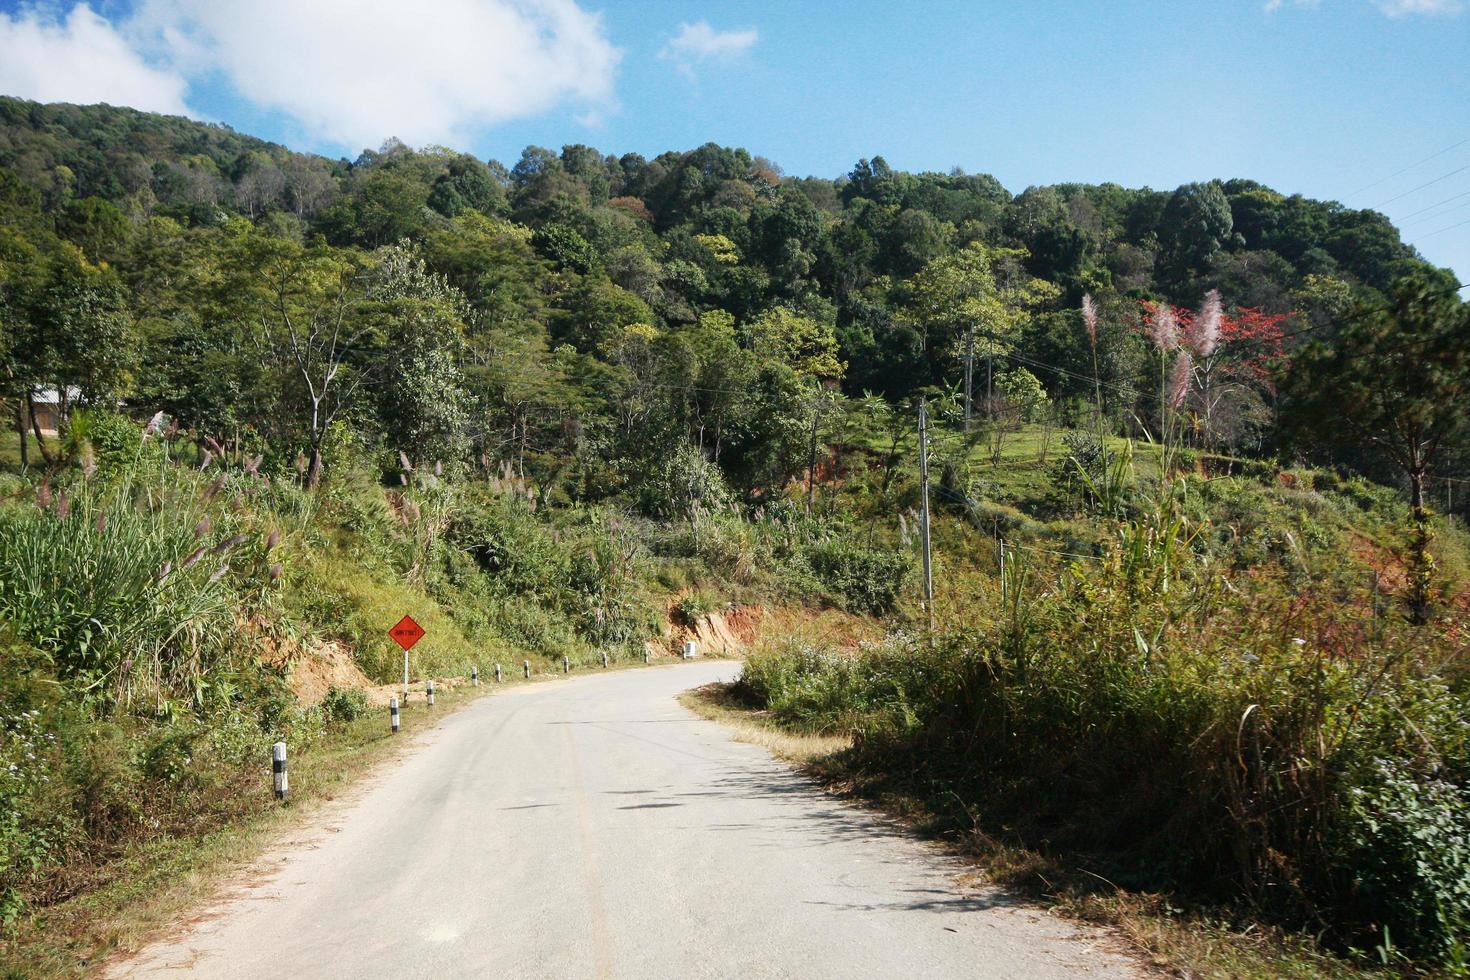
{"x": 924, "y": 514}
{"x": 969, "y": 373}
{"x": 989, "y": 384}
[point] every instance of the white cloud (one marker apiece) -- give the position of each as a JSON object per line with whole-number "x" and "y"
{"x": 1404, "y": 8}
{"x": 700, "y": 42}
{"x": 357, "y": 74}
{"x": 80, "y": 58}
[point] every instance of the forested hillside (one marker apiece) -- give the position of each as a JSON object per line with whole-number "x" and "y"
{"x": 558, "y": 288}
{"x": 1195, "y": 459}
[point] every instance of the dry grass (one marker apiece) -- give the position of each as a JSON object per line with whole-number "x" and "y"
{"x": 824, "y": 627}
{"x": 713, "y": 701}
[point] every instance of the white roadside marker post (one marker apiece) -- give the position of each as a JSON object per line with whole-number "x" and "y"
{"x": 690, "y": 651}
{"x": 497, "y": 673}
{"x": 526, "y": 666}
{"x": 278, "y": 769}
{"x": 566, "y": 665}
{"x": 475, "y": 675}
{"x": 393, "y": 715}
{"x": 645, "y": 654}
{"x": 430, "y": 690}
{"x": 604, "y": 661}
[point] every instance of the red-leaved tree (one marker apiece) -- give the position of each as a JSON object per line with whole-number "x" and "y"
{"x": 1236, "y": 358}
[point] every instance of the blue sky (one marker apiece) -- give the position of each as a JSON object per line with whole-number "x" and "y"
{"x": 1322, "y": 97}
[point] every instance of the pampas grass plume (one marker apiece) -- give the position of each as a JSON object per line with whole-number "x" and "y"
{"x": 1179, "y": 380}
{"x": 1089, "y": 317}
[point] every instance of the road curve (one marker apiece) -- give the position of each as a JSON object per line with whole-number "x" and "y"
{"x": 594, "y": 827}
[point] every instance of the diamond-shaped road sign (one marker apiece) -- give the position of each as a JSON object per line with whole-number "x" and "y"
{"x": 406, "y": 632}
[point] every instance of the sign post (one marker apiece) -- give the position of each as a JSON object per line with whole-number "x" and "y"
{"x": 406, "y": 633}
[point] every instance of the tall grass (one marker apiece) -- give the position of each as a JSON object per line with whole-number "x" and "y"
{"x": 125, "y": 583}
{"x": 1204, "y": 746}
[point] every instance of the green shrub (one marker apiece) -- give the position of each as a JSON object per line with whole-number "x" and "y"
{"x": 33, "y": 829}
{"x": 1246, "y": 744}
{"x": 826, "y": 690}
{"x": 863, "y": 579}
{"x": 693, "y": 606}
{"x": 344, "y": 704}
{"x": 1406, "y": 850}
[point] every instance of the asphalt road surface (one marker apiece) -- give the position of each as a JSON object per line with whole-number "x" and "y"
{"x": 594, "y": 827}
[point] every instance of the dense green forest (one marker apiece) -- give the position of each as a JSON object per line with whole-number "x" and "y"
{"x": 1197, "y": 456}
{"x": 602, "y": 308}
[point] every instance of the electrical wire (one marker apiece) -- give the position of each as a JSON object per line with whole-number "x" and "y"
{"x": 1441, "y": 231}
{"x": 1427, "y": 183}
{"x": 1048, "y": 551}
{"x": 1433, "y": 206}
{"x": 1412, "y": 166}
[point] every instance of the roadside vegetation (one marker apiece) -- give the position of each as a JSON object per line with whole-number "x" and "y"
{"x": 1211, "y": 706}
{"x": 1197, "y": 500}
{"x": 159, "y": 601}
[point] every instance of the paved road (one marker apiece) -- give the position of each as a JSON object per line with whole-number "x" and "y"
{"x": 595, "y": 828}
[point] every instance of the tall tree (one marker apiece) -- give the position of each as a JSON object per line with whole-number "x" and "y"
{"x": 422, "y": 402}
{"x": 971, "y": 305}
{"x": 1396, "y": 383}
{"x": 299, "y": 303}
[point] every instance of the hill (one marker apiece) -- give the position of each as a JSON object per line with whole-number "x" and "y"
{"x": 1186, "y": 451}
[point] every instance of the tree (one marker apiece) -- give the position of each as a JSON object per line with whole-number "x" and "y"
{"x": 766, "y": 440}
{"x": 67, "y": 327}
{"x": 1396, "y": 382}
{"x": 973, "y": 303}
{"x": 309, "y": 185}
{"x": 1196, "y": 223}
{"x": 422, "y": 402}
{"x": 1235, "y": 361}
{"x": 97, "y": 227}
{"x": 1020, "y": 399}
{"x": 299, "y": 304}
{"x": 804, "y": 344}
{"x": 91, "y": 345}
{"x": 565, "y": 247}
{"x": 466, "y": 183}
{"x": 260, "y": 184}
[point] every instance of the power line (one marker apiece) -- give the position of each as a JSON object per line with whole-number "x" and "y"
{"x": 1047, "y": 551}
{"x": 1400, "y": 173}
{"x": 1443, "y": 230}
{"x": 1427, "y": 183}
{"x": 1433, "y": 206}
{"x": 1441, "y": 214}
